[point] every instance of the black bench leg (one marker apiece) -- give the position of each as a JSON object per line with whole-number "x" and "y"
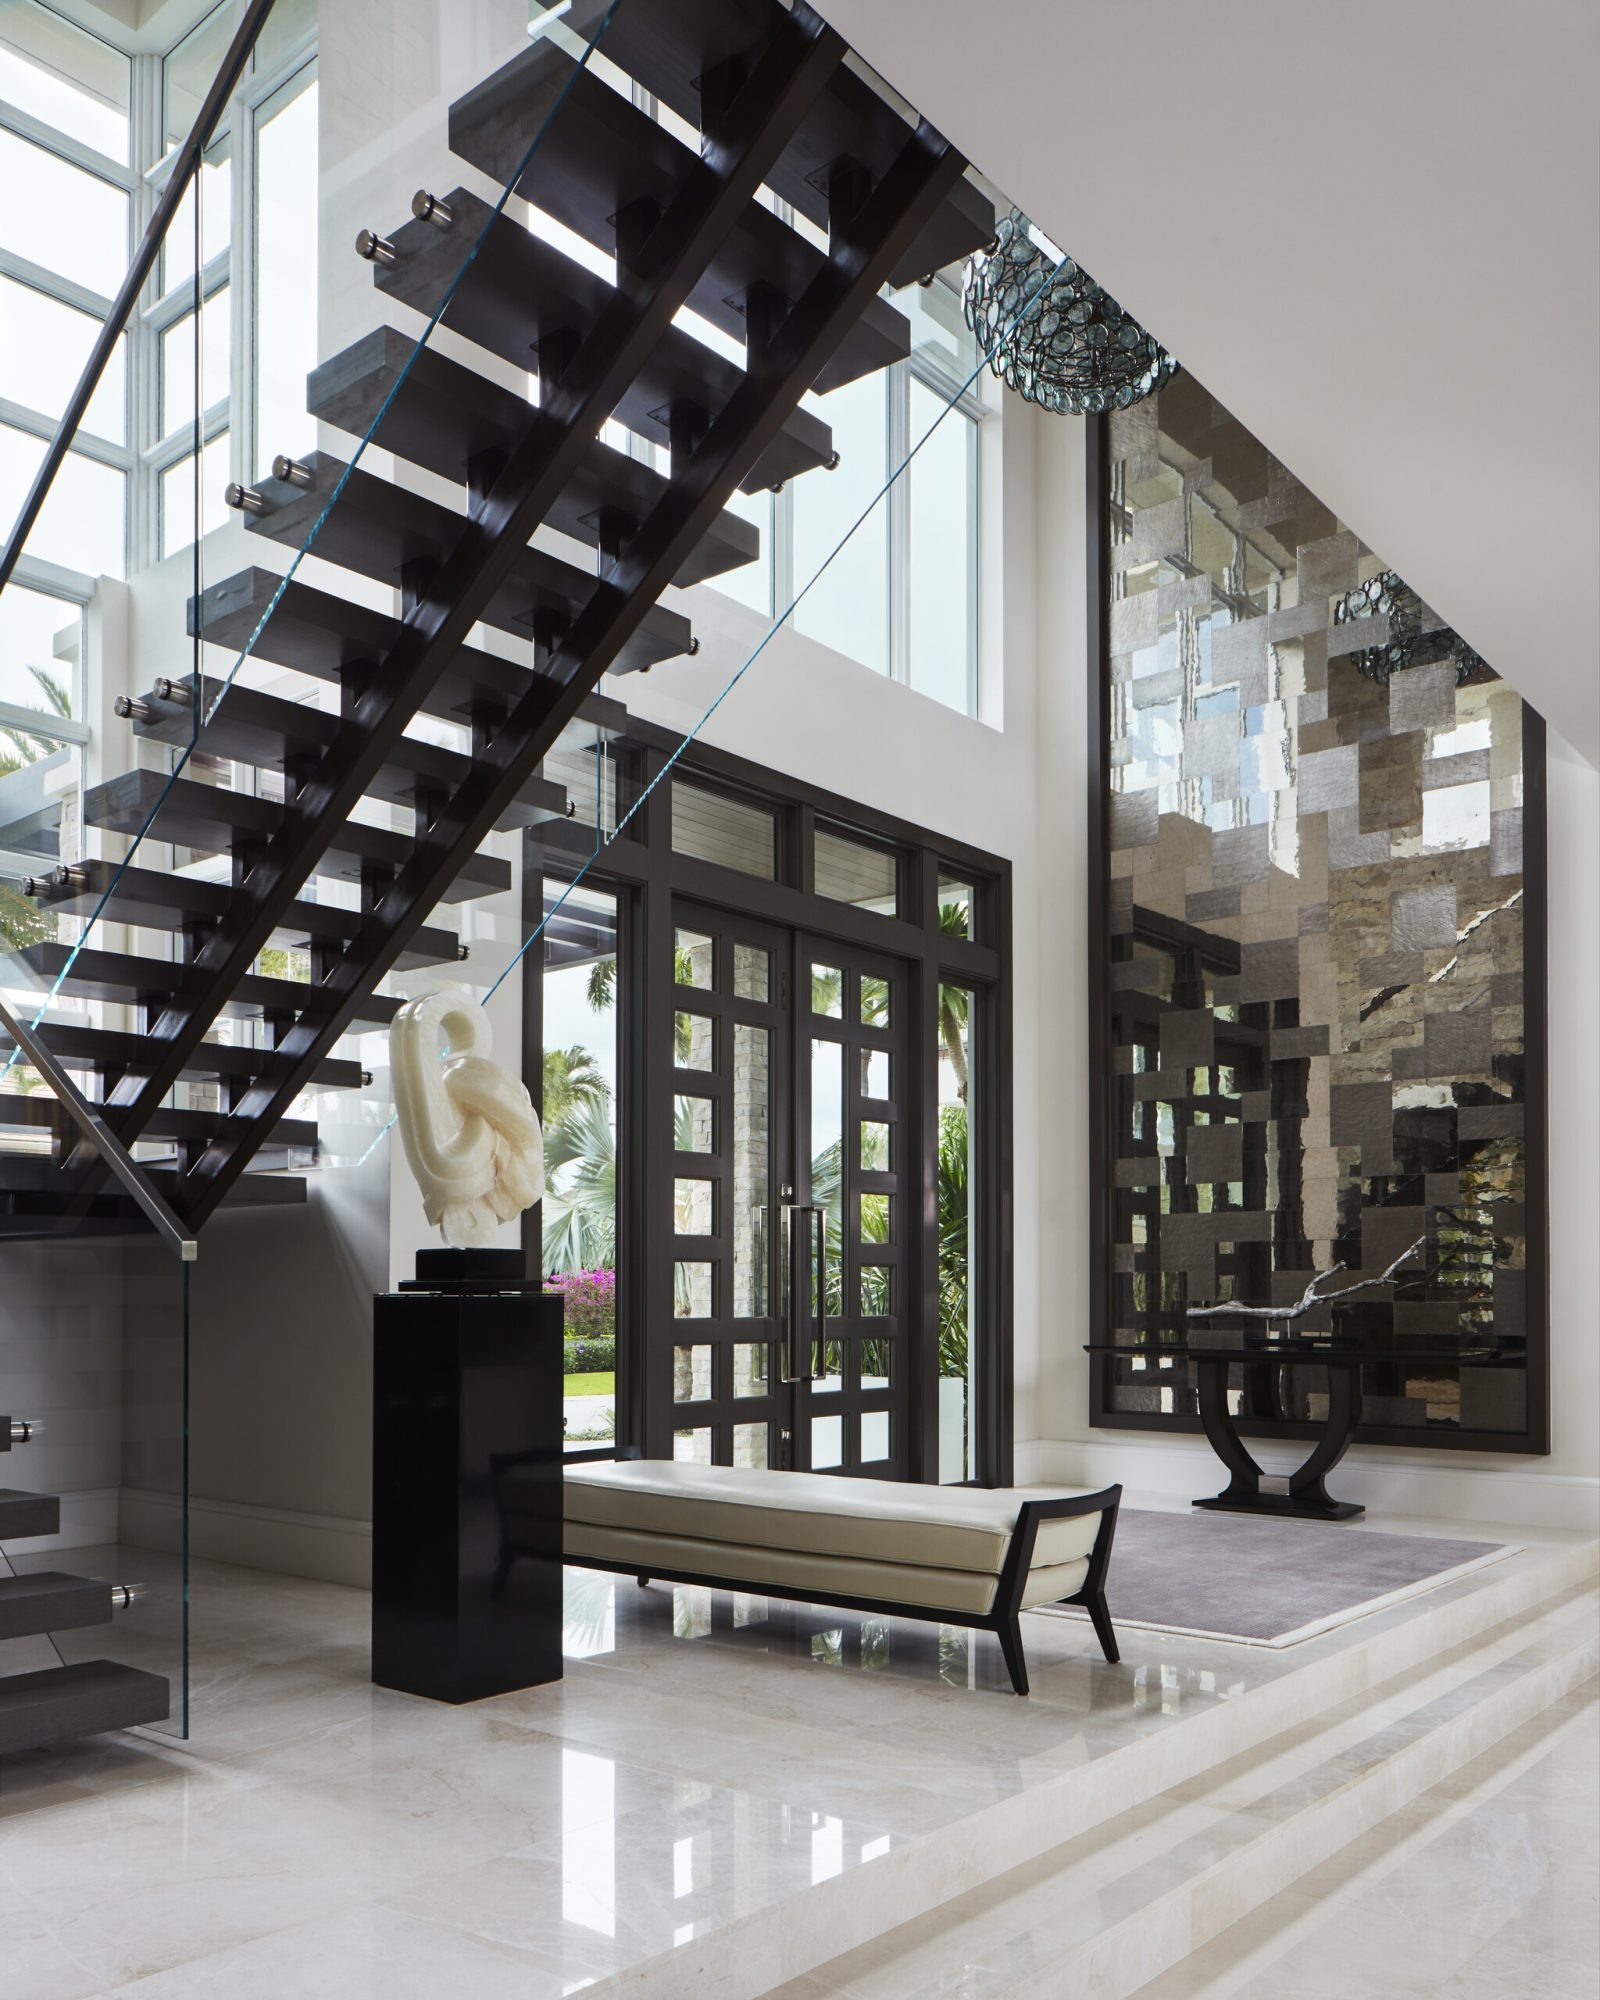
{"x": 1009, "y": 1633}
{"x": 1100, "y": 1619}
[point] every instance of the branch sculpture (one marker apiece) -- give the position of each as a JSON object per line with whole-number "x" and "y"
{"x": 1310, "y": 1296}
{"x": 470, "y": 1131}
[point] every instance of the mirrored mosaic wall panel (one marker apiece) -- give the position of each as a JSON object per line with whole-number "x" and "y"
{"x": 1323, "y": 890}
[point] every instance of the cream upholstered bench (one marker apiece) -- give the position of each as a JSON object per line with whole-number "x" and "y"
{"x": 964, "y": 1555}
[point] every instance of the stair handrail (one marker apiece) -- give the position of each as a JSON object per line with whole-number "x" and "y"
{"x": 100, "y": 1135}
{"x": 184, "y": 171}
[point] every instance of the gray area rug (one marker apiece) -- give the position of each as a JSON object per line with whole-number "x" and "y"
{"x": 1268, "y": 1582}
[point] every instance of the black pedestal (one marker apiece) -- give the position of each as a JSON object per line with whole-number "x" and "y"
{"x": 466, "y": 1445}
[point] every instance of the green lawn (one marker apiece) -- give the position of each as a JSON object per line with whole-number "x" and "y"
{"x": 590, "y": 1385}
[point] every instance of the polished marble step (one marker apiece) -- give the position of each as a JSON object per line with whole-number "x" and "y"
{"x": 247, "y": 726}
{"x": 396, "y": 537}
{"x": 1483, "y": 1888}
{"x": 674, "y": 46}
{"x": 216, "y": 820}
{"x": 50, "y": 1600}
{"x": 449, "y": 419}
{"x": 600, "y": 154}
{"x": 519, "y": 290}
{"x": 1111, "y": 1908}
{"x": 80, "y": 1700}
{"x": 124, "y": 893}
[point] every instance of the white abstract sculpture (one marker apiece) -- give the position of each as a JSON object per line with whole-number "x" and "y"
{"x": 470, "y": 1131}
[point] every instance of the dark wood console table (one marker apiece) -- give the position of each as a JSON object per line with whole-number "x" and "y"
{"x": 1305, "y": 1493}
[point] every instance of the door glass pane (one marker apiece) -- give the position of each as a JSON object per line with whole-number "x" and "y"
{"x": 693, "y": 959}
{"x": 752, "y": 972}
{"x": 728, "y": 831}
{"x": 67, "y": 221}
{"x": 692, "y": 1447}
{"x": 752, "y": 1104}
{"x": 827, "y": 1126}
{"x": 751, "y": 1375}
{"x": 848, "y": 871}
{"x": 691, "y": 1291}
{"x": 831, "y": 1380}
{"x": 43, "y": 346}
{"x": 875, "y": 1217}
{"x": 694, "y": 1124}
{"x": 694, "y": 1040}
{"x": 957, "y": 1349}
{"x": 875, "y": 1074}
{"x": 827, "y": 1442}
{"x": 875, "y": 1363}
{"x": 877, "y": 1291}
{"x": 874, "y": 1146}
{"x": 750, "y": 1444}
{"x": 875, "y": 1002}
{"x": 691, "y": 1374}
{"x": 692, "y": 1207}
{"x": 827, "y": 991}
{"x": 579, "y": 1083}
{"x": 286, "y": 277}
{"x": 874, "y": 1436}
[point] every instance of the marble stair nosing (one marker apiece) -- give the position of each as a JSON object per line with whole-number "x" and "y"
{"x": 754, "y": 1956}
{"x": 1130, "y": 1910}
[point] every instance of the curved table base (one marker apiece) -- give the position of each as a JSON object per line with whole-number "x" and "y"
{"x": 1304, "y": 1494}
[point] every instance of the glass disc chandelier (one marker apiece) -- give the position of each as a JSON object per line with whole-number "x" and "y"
{"x": 1051, "y": 333}
{"x": 1407, "y": 645}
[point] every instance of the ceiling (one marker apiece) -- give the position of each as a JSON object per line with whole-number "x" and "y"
{"x": 1370, "y": 229}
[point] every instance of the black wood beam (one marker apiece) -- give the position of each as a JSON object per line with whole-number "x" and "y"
{"x": 888, "y": 220}
{"x": 783, "y": 85}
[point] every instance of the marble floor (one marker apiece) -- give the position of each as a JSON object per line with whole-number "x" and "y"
{"x": 715, "y": 1775}
{"x": 1486, "y": 1888}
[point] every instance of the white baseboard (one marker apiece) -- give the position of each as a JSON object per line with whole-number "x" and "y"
{"x": 1509, "y": 1493}
{"x": 319, "y": 1546}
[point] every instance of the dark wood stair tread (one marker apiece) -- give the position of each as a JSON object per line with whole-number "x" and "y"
{"x": 208, "y": 817}
{"x": 118, "y": 1053}
{"x": 49, "y": 1600}
{"x": 24, "y": 1515}
{"x": 247, "y": 726}
{"x": 89, "y": 972}
{"x": 669, "y": 45}
{"x": 519, "y": 288}
{"x": 124, "y": 893}
{"x": 600, "y": 153}
{"x": 442, "y": 415}
{"x": 383, "y": 531}
{"x": 84, "y": 1699}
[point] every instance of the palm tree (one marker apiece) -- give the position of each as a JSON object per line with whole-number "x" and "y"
{"x": 28, "y": 745}
{"x": 571, "y": 1077}
{"x": 580, "y": 1216}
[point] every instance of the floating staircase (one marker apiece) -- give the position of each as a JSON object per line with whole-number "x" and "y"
{"x": 769, "y": 107}
{"x": 81, "y": 1699}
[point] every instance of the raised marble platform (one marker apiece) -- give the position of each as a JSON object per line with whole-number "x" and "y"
{"x": 724, "y": 1795}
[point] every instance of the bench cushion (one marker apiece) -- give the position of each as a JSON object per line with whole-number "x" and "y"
{"x": 773, "y": 1571}
{"x": 955, "y": 1528}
